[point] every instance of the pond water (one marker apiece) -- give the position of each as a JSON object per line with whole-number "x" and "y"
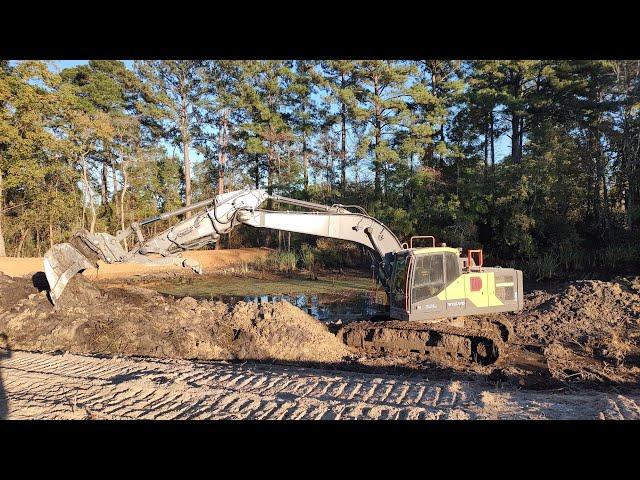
{"x": 326, "y": 308}
{"x": 327, "y": 297}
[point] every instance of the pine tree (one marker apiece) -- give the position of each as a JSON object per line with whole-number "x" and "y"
{"x": 381, "y": 94}
{"x": 176, "y": 96}
{"x": 340, "y": 81}
{"x": 304, "y": 114}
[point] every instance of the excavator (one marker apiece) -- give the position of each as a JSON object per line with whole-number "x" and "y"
{"x": 436, "y": 300}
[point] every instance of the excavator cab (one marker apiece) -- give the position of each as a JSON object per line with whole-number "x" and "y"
{"x": 434, "y": 282}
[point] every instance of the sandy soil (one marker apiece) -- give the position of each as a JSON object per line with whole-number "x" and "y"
{"x": 212, "y": 261}
{"x": 43, "y": 386}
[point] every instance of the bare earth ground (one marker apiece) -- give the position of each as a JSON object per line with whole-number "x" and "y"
{"x": 588, "y": 331}
{"x": 211, "y": 261}
{"x": 69, "y": 386}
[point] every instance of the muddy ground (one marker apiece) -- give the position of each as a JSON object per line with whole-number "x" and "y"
{"x": 588, "y": 331}
{"x": 131, "y": 320}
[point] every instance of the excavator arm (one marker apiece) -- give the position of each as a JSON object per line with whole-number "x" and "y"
{"x": 222, "y": 213}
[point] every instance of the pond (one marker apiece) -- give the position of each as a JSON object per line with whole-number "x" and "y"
{"x": 328, "y": 298}
{"x": 326, "y": 308}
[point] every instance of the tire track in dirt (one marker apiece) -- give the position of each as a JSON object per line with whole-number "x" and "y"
{"x": 73, "y": 386}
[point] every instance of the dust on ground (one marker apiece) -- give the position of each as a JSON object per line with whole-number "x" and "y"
{"x": 135, "y": 321}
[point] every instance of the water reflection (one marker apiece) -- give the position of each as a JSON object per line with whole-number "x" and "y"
{"x": 326, "y": 308}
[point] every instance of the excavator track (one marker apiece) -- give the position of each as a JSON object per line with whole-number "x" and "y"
{"x": 462, "y": 342}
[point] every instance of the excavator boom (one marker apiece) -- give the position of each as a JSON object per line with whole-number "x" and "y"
{"x": 221, "y": 214}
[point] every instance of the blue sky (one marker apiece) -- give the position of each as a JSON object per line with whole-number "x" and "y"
{"x": 74, "y": 63}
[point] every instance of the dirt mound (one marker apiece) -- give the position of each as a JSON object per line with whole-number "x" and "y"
{"x": 12, "y": 290}
{"x": 603, "y": 318}
{"x": 589, "y": 329}
{"x": 135, "y": 321}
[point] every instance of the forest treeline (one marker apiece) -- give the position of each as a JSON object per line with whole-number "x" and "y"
{"x": 420, "y": 144}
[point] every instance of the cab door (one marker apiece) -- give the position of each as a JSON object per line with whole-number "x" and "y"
{"x": 399, "y": 300}
{"x": 455, "y": 290}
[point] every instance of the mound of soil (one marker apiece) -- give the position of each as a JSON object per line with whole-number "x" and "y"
{"x": 583, "y": 324}
{"x": 135, "y": 321}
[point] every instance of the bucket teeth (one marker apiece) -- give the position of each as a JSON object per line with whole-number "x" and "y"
{"x": 61, "y": 263}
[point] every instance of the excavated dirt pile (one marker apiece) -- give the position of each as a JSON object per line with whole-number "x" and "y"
{"x": 589, "y": 328}
{"x": 139, "y": 322}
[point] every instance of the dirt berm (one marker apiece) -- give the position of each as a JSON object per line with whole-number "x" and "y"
{"x": 133, "y": 321}
{"x": 589, "y": 329}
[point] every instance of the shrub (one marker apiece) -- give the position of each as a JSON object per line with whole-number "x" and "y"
{"x": 307, "y": 257}
{"x": 286, "y": 261}
{"x": 544, "y": 267}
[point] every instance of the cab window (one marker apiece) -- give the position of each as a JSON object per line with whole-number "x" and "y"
{"x": 428, "y": 279}
{"x": 452, "y": 267}
{"x": 433, "y": 273}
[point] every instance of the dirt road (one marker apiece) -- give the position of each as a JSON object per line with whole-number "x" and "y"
{"x": 212, "y": 261}
{"x": 68, "y": 386}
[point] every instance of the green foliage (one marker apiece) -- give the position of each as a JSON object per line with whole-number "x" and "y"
{"x": 543, "y": 268}
{"x": 307, "y": 257}
{"x": 535, "y": 161}
{"x": 285, "y": 262}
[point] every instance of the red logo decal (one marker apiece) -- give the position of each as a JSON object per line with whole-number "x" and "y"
{"x": 476, "y": 284}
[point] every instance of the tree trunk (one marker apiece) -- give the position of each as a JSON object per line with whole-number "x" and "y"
{"x": 270, "y": 170}
{"x": 305, "y": 165}
{"x": 92, "y": 207}
{"x": 23, "y": 237}
{"x": 103, "y": 186}
{"x": 493, "y": 151}
{"x": 122, "y": 195}
{"x": 3, "y": 251}
{"x": 376, "y": 163}
{"x": 516, "y": 152}
{"x": 343, "y": 141}
{"x": 187, "y": 174}
{"x": 222, "y": 154}
{"x": 486, "y": 151}
{"x": 257, "y": 170}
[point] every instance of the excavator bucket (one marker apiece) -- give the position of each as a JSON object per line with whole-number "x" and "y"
{"x": 61, "y": 263}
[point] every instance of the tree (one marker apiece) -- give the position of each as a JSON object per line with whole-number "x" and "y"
{"x": 304, "y": 110}
{"x": 264, "y": 130}
{"x": 340, "y": 80}
{"x": 176, "y": 96}
{"x": 381, "y": 95}
{"x": 38, "y": 183}
{"x": 105, "y": 86}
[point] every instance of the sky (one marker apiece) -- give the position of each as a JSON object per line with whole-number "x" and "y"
{"x": 74, "y": 63}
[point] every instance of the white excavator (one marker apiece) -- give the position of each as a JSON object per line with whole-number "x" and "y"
{"x": 433, "y": 294}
